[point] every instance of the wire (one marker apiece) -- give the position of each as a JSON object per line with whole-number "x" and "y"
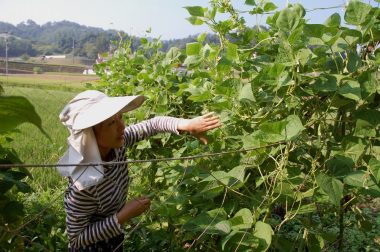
{"x": 7, "y": 166}
{"x": 309, "y": 10}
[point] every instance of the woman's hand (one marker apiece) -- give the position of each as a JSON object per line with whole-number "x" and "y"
{"x": 198, "y": 125}
{"x": 132, "y": 209}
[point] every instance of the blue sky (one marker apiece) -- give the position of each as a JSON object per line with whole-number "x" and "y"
{"x": 166, "y": 18}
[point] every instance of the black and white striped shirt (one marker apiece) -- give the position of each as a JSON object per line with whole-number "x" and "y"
{"x": 91, "y": 213}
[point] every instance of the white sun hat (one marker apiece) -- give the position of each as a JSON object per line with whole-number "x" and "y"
{"x": 85, "y": 110}
{"x": 92, "y": 107}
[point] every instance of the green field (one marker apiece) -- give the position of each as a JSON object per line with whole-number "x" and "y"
{"x": 51, "y": 81}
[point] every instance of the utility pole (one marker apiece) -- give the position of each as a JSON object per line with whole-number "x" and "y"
{"x": 6, "y": 53}
{"x": 73, "y": 49}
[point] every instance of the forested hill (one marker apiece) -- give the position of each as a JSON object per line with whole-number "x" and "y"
{"x": 32, "y": 39}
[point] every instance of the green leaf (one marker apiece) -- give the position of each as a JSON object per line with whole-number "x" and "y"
{"x": 374, "y": 166}
{"x": 369, "y": 83}
{"x": 352, "y": 37}
{"x": 269, "y": 6}
{"x": 264, "y": 232}
{"x": 142, "y": 145}
{"x": 236, "y": 176}
{"x": 351, "y": 90}
{"x": 314, "y": 30}
{"x": 195, "y": 20}
{"x": 253, "y": 139}
{"x": 273, "y": 130}
{"x": 288, "y": 19}
{"x": 212, "y": 13}
{"x": 245, "y": 241}
{"x": 353, "y": 147}
{"x": 224, "y": 65}
{"x": 232, "y": 53}
{"x": 332, "y": 187}
{"x": 304, "y": 209}
{"x": 364, "y": 128}
{"x": 207, "y": 50}
{"x": 325, "y": 83}
{"x": 9, "y": 156}
{"x": 193, "y": 61}
{"x": 242, "y": 219}
{"x": 304, "y": 55}
{"x": 23, "y": 187}
{"x": 215, "y": 183}
{"x": 5, "y": 185}
{"x": 293, "y": 127}
{"x": 196, "y": 11}
{"x": 217, "y": 176}
{"x": 173, "y": 53}
{"x": 333, "y": 21}
{"x": 315, "y": 242}
{"x": 198, "y": 94}
{"x": 144, "y": 41}
{"x": 193, "y": 48}
{"x": 211, "y": 222}
{"x": 246, "y": 94}
{"x": 356, "y": 179}
{"x": 339, "y": 165}
{"x": 201, "y": 37}
{"x": 354, "y": 62}
{"x": 363, "y": 180}
{"x": 217, "y": 213}
{"x": 223, "y": 227}
{"x": 286, "y": 129}
{"x": 138, "y": 60}
{"x": 12, "y": 211}
{"x": 357, "y": 12}
{"x": 15, "y": 110}
{"x": 250, "y": 2}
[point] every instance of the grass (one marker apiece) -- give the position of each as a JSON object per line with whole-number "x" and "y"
{"x": 31, "y": 145}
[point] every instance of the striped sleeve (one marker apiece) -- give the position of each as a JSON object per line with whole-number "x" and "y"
{"x": 145, "y": 129}
{"x": 80, "y": 206}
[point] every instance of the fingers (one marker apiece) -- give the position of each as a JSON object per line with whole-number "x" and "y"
{"x": 213, "y": 119}
{"x": 144, "y": 201}
{"x": 209, "y": 117}
{"x": 208, "y": 114}
{"x": 203, "y": 139}
{"x": 212, "y": 126}
{"x": 209, "y": 124}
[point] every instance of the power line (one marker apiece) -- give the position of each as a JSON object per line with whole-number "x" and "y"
{"x": 308, "y": 10}
{"x": 327, "y": 8}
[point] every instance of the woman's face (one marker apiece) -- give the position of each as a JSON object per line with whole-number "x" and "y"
{"x": 110, "y": 134}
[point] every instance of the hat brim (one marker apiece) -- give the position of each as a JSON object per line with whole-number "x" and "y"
{"x": 104, "y": 109}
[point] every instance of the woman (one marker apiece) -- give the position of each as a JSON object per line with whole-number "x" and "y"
{"x": 95, "y": 200}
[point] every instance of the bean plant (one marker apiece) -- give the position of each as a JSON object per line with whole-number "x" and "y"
{"x": 301, "y": 102}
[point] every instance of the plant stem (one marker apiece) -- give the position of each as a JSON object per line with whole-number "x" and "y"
{"x": 336, "y": 63}
{"x": 341, "y": 228}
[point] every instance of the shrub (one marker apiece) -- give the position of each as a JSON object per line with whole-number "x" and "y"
{"x": 37, "y": 70}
